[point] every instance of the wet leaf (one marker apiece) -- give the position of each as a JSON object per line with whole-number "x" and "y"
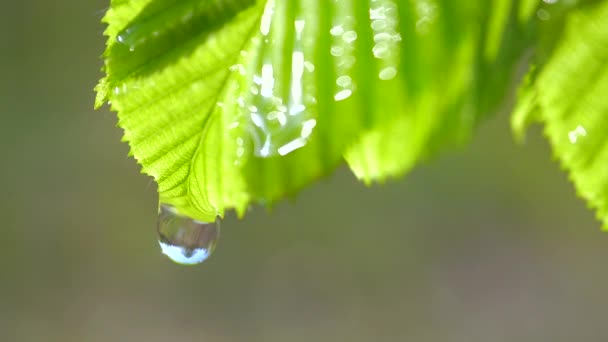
{"x": 568, "y": 95}
{"x": 227, "y": 103}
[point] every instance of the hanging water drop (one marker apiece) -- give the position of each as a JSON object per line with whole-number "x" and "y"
{"x": 183, "y": 239}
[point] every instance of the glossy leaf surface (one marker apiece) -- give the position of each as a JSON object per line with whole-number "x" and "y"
{"x": 226, "y": 103}
{"x": 568, "y": 95}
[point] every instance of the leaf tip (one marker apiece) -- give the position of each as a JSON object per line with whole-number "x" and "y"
{"x": 101, "y": 94}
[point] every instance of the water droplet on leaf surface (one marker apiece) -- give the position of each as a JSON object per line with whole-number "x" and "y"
{"x": 183, "y": 239}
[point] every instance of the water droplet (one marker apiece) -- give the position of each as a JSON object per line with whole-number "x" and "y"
{"x": 427, "y": 14}
{"x": 156, "y": 24}
{"x": 337, "y": 30}
{"x": 576, "y": 133}
{"x": 387, "y": 73}
{"x": 309, "y": 66}
{"x": 344, "y": 81}
{"x": 267, "y": 18}
{"x": 349, "y": 36}
{"x": 183, "y": 239}
{"x": 120, "y": 90}
{"x": 299, "y": 25}
{"x": 337, "y": 51}
{"x": 134, "y": 36}
{"x": 381, "y": 50}
{"x": 379, "y": 25}
{"x": 543, "y": 14}
{"x": 386, "y": 49}
{"x": 276, "y": 108}
{"x": 343, "y": 95}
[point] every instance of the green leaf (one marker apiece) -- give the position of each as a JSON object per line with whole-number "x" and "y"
{"x": 226, "y": 102}
{"x": 457, "y": 63}
{"x": 568, "y": 95}
{"x": 166, "y": 74}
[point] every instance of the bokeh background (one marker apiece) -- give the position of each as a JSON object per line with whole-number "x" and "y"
{"x": 484, "y": 243}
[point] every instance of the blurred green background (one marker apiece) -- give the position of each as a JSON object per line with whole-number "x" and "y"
{"x": 485, "y": 243}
